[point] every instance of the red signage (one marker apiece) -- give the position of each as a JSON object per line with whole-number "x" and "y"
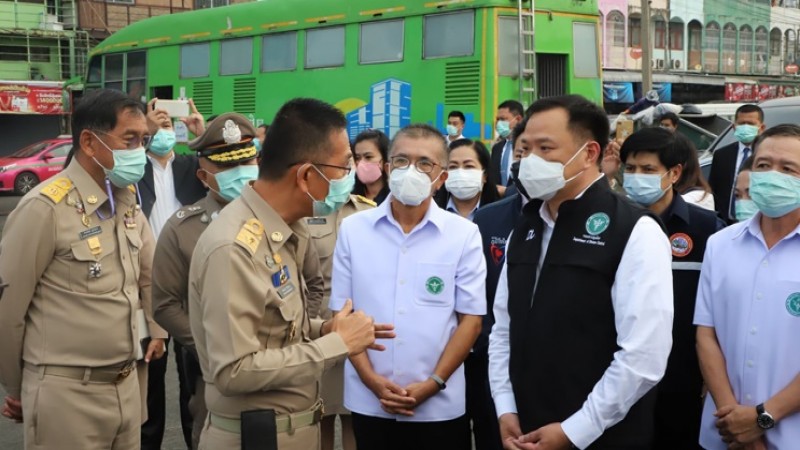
{"x": 636, "y": 53}
{"x": 743, "y": 92}
{"x": 30, "y": 98}
{"x": 792, "y": 68}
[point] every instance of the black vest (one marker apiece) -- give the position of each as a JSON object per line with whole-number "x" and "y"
{"x": 563, "y": 338}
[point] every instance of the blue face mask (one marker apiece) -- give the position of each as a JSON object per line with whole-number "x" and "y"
{"x": 746, "y": 134}
{"x": 644, "y": 189}
{"x": 128, "y": 165}
{"x": 452, "y": 130}
{"x": 338, "y": 193}
{"x": 257, "y": 143}
{"x": 774, "y": 193}
{"x": 232, "y": 181}
{"x": 503, "y": 128}
{"x": 162, "y": 142}
{"x": 745, "y": 209}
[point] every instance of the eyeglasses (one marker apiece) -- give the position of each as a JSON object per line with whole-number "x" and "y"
{"x": 422, "y": 165}
{"x": 131, "y": 143}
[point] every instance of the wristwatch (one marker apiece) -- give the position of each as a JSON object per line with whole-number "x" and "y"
{"x": 439, "y": 382}
{"x": 764, "y": 419}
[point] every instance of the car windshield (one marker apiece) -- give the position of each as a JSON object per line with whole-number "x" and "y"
{"x": 30, "y": 150}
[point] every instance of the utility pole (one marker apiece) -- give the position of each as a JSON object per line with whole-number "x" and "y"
{"x": 647, "y": 50}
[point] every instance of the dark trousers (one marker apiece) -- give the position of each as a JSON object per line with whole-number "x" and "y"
{"x": 480, "y": 406}
{"x": 153, "y": 429}
{"x": 374, "y": 433}
{"x": 677, "y": 421}
{"x": 184, "y": 394}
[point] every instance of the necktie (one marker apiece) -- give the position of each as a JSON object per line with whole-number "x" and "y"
{"x": 504, "y": 163}
{"x": 745, "y": 155}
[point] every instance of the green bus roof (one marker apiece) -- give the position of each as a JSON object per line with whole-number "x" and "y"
{"x": 259, "y": 17}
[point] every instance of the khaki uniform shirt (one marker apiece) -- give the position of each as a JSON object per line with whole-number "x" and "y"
{"x": 323, "y": 233}
{"x": 171, "y": 268}
{"x": 255, "y": 342}
{"x": 75, "y": 281}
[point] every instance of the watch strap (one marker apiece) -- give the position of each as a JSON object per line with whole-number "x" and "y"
{"x": 760, "y": 409}
{"x": 439, "y": 381}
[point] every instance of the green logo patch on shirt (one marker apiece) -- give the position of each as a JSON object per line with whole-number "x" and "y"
{"x": 434, "y": 285}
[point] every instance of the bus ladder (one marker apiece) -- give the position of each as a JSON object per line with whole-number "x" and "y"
{"x": 527, "y": 52}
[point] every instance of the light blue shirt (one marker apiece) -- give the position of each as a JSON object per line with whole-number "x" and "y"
{"x": 418, "y": 281}
{"x": 451, "y": 207}
{"x": 750, "y": 295}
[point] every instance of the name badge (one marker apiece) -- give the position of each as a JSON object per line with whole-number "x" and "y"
{"x": 285, "y": 290}
{"x": 317, "y": 221}
{"x": 94, "y": 231}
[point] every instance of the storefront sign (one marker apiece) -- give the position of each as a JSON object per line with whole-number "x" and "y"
{"x": 29, "y": 98}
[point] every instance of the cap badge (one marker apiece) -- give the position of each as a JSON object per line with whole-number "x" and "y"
{"x": 231, "y": 133}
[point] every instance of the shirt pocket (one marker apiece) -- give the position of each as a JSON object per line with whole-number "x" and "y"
{"x": 94, "y": 274}
{"x": 135, "y": 247}
{"x": 324, "y": 239}
{"x": 284, "y": 318}
{"x": 434, "y": 284}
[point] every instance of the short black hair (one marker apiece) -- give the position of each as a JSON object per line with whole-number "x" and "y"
{"x": 750, "y": 108}
{"x": 518, "y": 130}
{"x": 747, "y": 164}
{"x": 585, "y": 118}
{"x": 672, "y": 148}
{"x": 422, "y": 131}
{"x": 301, "y": 132}
{"x": 98, "y": 110}
{"x": 382, "y": 142}
{"x": 514, "y": 106}
{"x": 458, "y": 114}
{"x": 672, "y": 117}
{"x": 782, "y": 130}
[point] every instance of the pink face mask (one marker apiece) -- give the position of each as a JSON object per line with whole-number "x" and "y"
{"x": 368, "y": 172}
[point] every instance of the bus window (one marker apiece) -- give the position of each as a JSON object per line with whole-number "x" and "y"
{"x": 325, "y": 47}
{"x": 584, "y": 50}
{"x": 381, "y": 42}
{"x": 113, "y": 71}
{"x": 95, "y": 70}
{"x": 279, "y": 52}
{"x": 508, "y": 45}
{"x": 195, "y": 60}
{"x": 136, "y": 73}
{"x": 236, "y": 57}
{"x": 449, "y": 34}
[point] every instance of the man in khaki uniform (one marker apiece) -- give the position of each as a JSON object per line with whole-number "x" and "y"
{"x": 77, "y": 254}
{"x": 226, "y": 166}
{"x": 323, "y": 233}
{"x": 258, "y": 349}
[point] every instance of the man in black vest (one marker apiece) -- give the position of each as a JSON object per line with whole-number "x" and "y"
{"x": 654, "y": 159}
{"x": 583, "y": 309}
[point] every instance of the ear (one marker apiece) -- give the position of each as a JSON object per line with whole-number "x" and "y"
{"x": 86, "y": 140}
{"x": 440, "y": 182}
{"x": 387, "y": 168}
{"x": 302, "y": 177}
{"x": 202, "y": 175}
{"x": 593, "y": 152}
{"x": 675, "y": 174}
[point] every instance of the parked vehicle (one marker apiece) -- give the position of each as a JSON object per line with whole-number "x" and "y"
{"x": 23, "y": 170}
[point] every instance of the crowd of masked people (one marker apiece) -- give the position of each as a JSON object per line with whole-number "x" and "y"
{"x": 556, "y": 289}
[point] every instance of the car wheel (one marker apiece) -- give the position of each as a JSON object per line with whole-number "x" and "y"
{"x": 25, "y": 182}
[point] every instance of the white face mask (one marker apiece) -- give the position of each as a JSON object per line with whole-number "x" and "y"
{"x": 464, "y": 184}
{"x": 410, "y": 186}
{"x": 542, "y": 179}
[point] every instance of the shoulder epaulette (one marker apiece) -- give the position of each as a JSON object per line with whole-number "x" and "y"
{"x": 188, "y": 211}
{"x": 365, "y": 200}
{"x": 250, "y": 235}
{"x": 132, "y": 188}
{"x": 57, "y": 189}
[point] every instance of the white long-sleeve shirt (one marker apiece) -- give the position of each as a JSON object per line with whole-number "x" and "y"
{"x": 643, "y": 309}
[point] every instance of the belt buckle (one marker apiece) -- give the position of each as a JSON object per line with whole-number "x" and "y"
{"x": 125, "y": 371}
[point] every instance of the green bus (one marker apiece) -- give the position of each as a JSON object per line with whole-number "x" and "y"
{"x": 384, "y": 63}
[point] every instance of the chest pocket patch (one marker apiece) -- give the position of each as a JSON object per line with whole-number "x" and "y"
{"x": 92, "y": 270}
{"x": 324, "y": 239}
{"x": 434, "y": 284}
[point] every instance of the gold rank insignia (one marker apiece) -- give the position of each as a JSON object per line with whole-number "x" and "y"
{"x": 92, "y": 199}
{"x": 365, "y": 200}
{"x": 250, "y": 235}
{"x": 57, "y": 190}
{"x": 94, "y": 245}
{"x": 277, "y": 236}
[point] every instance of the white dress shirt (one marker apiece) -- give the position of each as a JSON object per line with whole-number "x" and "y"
{"x": 643, "y": 310}
{"x": 453, "y": 139}
{"x": 166, "y": 200}
{"x": 700, "y": 198}
{"x": 750, "y": 295}
{"x": 451, "y": 207}
{"x": 419, "y": 282}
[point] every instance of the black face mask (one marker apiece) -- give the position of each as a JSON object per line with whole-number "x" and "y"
{"x": 515, "y": 180}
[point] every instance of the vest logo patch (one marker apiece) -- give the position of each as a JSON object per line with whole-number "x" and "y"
{"x": 531, "y": 234}
{"x": 497, "y": 250}
{"x": 793, "y": 304}
{"x": 597, "y": 223}
{"x": 681, "y": 244}
{"x": 434, "y": 285}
